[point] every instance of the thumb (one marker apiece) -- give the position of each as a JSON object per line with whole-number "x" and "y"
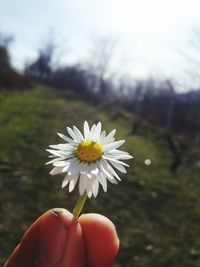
{"x": 55, "y": 239}
{"x": 101, "y": 239}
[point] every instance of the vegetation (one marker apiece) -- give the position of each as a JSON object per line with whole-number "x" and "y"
{"x": 156, "y": 213}
{"x": 9, "y": 78}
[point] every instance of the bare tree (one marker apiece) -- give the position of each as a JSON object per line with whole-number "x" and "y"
{"x": 41, "y": 67}
{"x": 5, "y": 41}
{"x": 192, "y": 58}
{"x": 168, "y": 87}
{"x": 192, "y": 79}
{"x": 99, "y": 62}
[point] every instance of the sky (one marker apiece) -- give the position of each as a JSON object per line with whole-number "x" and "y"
{"x": 151, "y": 36}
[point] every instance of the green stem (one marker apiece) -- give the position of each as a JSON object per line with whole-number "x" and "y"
{"x": 79, "y": 205}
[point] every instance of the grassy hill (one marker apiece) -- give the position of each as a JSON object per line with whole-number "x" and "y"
{"x": 156, "y": 213}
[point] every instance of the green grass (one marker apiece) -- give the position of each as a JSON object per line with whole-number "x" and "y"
{"x": 156, "y": 213}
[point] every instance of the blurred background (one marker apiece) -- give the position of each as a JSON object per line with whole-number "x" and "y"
{"x": 135, "y": 66}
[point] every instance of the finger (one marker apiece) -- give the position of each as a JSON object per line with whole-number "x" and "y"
{"x": 55, "y": 239}
{"x": 101, "y": 240}
{"x": 74, "y": 252}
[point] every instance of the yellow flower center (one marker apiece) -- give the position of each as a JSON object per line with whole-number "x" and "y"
{"x": 89, "y": 151}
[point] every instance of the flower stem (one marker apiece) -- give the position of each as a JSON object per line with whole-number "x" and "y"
{"x": 79, "y": 205}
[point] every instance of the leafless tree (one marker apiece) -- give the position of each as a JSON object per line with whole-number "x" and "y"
{"x": 41, "y": 67}
{"x": 99, "y": 62}
{"x": 5, "y": 41}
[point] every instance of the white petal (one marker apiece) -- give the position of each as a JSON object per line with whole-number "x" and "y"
{"x": 78, "y": 133}
{"x": 59, "y": 153}
{"x": 56, "y": 170}
{"x": 73, "y": 135}
{"x": 112, "y": 181}
{"x": 102, "y": 136}
{"x": 95, "y": 171}
{"x": 73, "y": 182}
{"x": 89, "y": 194}
{"x": 62, "y": 146}
{"x": 97, "y": 132}
{"x": 109, "y": 137}
{"x": 69, "y": 157}
{"x": 112, "y": 171}
{"x": 66, "y": 138}
{"x": 70, "y": 163}
{"x": 117, "y": 151}
{"x": 65, "y": 169}
{"x": 123, "y": 157}
{"x": 54, "y": 160}
{"x": 71, "y": 177}
{"x": 115, "y": 161}
{"x": 89, "y": 184}
{"x": 113, "y": 145}
{"x": 68, "y": 178}
{"x": 74, "y": 168}
{"x": 84, "y": 168}
{"x": 52, "y": 156}
{"x": 65, "y": 181}
{"x": 104, "y": 169}
{"x": 54, "y": 152}
{"x": 86, "y": 130}
{"x": 61, "y": 163}
{"x": 118, "y": 154}
{"x": 103, "y": 181}
{"x": 92, "y": 131}
{"x": 82, "y": 184}
{"x": 118, "y": 167}
{"x": 95, "y": 188}
{"x": 89, "y": 176}
{"x": 92, "y": 168}
{"x": 64, "y": 152}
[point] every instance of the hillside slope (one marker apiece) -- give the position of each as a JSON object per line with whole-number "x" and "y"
{"x": 156, "y": 213}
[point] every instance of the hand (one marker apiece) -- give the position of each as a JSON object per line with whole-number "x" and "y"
{"x": 56, "y": 239}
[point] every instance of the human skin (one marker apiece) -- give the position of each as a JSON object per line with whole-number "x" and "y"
{"x": 56, "y": 239}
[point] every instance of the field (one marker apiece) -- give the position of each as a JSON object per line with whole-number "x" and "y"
{"x": 156, "y": 213}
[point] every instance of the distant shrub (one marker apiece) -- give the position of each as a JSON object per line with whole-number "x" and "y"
{"x": 9, "y": 78}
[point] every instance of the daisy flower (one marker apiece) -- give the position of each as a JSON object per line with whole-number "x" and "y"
{"x": 88, "y": 159}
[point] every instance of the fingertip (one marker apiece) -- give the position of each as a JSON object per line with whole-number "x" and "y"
{"x": 52, "y": 237}
{"x": 61, "y": 242}
{"x": 101, "y": 240}
{"x": 42, "y": 243}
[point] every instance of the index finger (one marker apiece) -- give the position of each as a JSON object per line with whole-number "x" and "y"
{"x": 54, "y": 239}
{"x": 101, "y": 240}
